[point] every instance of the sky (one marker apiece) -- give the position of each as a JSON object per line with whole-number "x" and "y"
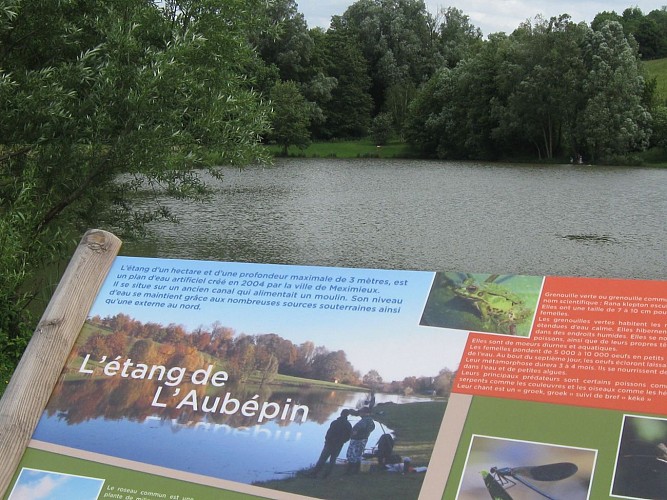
{"x": 491, "y": 16}
{"x": 35, "y": 484}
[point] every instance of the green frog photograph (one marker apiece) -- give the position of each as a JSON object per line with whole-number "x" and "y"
{"x": 492, "y": 303}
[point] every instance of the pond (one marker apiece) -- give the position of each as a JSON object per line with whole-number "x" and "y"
{"x": 113, "y": 422}
{"x": 569, "y": 220}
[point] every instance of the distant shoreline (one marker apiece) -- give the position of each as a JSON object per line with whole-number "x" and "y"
{"x": 366, "y": 148}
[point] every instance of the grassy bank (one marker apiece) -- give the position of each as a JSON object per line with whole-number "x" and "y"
{"x": 657, "y": 69}
{"x": 416, "y": 426}
{"x": 365, "y": 148}
{"x": 361, "y": 148}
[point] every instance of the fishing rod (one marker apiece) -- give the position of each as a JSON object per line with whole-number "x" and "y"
{"x": 550, "y": 472}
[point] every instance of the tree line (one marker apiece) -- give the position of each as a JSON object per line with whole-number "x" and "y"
{"x": 101, "y": 102}
{"x": 550, "y": 89}
{"x": 244, "y": 357}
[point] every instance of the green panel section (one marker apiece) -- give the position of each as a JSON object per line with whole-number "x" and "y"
{"x": 118, "y": 479}
{"x": 542, "y": 423}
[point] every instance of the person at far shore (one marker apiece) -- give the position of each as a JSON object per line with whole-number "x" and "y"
{"x": 358, "y": 440}
{"x": 338, "y": 434}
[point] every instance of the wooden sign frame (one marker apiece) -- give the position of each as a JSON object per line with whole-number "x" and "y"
{"x": 33, "y": 381}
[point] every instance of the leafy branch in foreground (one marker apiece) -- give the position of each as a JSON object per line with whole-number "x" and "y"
{"x": 101, "y": 102}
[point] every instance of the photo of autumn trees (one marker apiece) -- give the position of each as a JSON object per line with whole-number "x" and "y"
{"x": 257, "y": 359}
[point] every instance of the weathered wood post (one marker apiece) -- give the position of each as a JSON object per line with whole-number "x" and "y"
{"x": 33, "y": 381}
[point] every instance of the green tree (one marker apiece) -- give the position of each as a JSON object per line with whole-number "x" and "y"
{"x": 348, "y": 112}
{"x": 454, "y": 114}
{"x": 100, "y": 100}
{"x": 319, "y": 90}
{"x": 383, "y": 126}
{"x": 458, "y": 38}
{"x": 614, "y": 121}
{"x": 478, "y": 84}
{"x": 288, "y": 46}
{"x": 291, "y": 117}
{"x": 398, "y": 101}
{"x": 541, "y": 77}
{"x": 659, "y": 137}
{"x": 292, "y": 52}
{"x": 651, "y": 36}
{"x": 397, "y": 40}
{"x": 603, "y": 17}
{"x": 648, "y": 30}
{"x": 631, "y": 19}
{"x": 427, "y": 122}
{"x": 550, "y": 87}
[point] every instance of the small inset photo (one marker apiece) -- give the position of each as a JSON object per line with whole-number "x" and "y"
{"x": 507, "y": 469}
{"x": 641, "y": 462}
{"x": 33, "y": 483}
{"x": 504, "y": 304}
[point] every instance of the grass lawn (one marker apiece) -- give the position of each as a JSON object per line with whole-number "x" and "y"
{"x": 658, "y": 69}
{"x": 416, "y": 427}
{"x": 362, "y": 148}
{"x": 365, "y": 148}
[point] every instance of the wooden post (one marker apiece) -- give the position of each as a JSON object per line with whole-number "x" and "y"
{"x": 33, "y": 381}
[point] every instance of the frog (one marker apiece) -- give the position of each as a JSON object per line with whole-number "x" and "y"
{"x": 498, "y": 308}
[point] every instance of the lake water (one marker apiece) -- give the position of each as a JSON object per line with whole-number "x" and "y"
{"x": 429, "y": 215}
{"x": 117, "y": 422}
{"x": 426, "y": 215}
